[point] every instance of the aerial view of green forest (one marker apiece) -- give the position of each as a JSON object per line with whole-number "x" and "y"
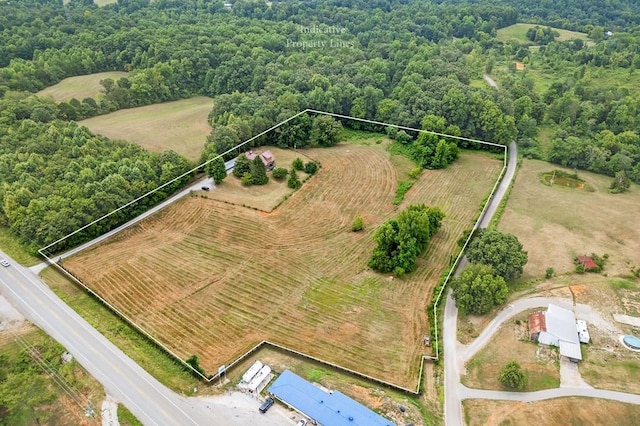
{"x": 390, "y": 61}
{"x": 103, "y": 101}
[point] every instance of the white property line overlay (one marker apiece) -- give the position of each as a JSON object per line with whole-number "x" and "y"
{"x": 216, "y": 376}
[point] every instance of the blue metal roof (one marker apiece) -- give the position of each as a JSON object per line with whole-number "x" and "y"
{"x": 329, "y": 409}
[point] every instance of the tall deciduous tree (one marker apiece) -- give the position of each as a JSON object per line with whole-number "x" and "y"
{"x": 477, "y": 290}
{"x": 325, "y": 131}
{"x": 216, "y": 170}
{"x": 512, "y": 376}
{"x": 242, "y": 166}
{"x": 501, "y": 251}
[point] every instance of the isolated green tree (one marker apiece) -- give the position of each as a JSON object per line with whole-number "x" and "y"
{"x": 512, "y": 376}
{"x": 293, "y": 182}
{"x": 216, "y": 170}
{"x": 311, "y": 168}
{"x": 243, "y": 165}
{"x": 258, "y": 172}
{"x": 477, "y": 290}
{"x": 402, "y": 239}
{"x": 298, "y": 164}
{"x": 358, "y": 224}
{"x": 620, "y": 183}
{"x": 279, "y": 173}
{"x": 501, "y": 251}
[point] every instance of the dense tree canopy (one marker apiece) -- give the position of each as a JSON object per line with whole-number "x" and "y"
{"x": 501, "y": 251}
{"x": 408, "y": 62}
{"x": 401, "y": 240}
{"x": 56, "y": 177}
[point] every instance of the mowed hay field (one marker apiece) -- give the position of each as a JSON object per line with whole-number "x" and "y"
{"x": 80, "y": 87}
{"x": 213, "y": 279}
{"x": 574, "y": 411}
{"x": 181, "y": 126}
{"x": 555, "y": 224}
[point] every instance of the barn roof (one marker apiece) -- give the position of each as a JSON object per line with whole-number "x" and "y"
{"x": 587, "y": 262}
{"x": 537, "y": 322}
{"x": 562, "y": 331}
{"x": 329, "y": 409}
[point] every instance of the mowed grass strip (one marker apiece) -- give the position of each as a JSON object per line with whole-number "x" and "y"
{"x": 180, "y": 126}
{"x": 213, "y": 279}
{"x": 80, "y": 87}
{"x": 555, "y": 224}
{"x": 574, "y": 410}
{"x": 519, "y": 32}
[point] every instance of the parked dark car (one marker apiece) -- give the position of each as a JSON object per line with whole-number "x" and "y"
{"x": 266, "y": 405}
{"x": 205, "y": 188}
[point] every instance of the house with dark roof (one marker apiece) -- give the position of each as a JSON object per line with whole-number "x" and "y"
{"x": 267, "y": 158}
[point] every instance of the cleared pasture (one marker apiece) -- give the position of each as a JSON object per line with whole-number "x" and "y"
{"x": 555, "y": 224}
{"x": 180, "y": 126}
{"x": 80, "y": 87}
{"x": 213, "y": 279}
{"x": 519, "y": 32}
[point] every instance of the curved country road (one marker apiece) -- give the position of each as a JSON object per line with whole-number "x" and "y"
{"x": 467, "y": 352}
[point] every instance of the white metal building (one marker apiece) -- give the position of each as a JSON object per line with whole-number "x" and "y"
{"x": 260, "y": 380}
{"x": 561, "y": 330}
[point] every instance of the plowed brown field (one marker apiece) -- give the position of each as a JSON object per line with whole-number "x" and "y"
{"x": 213, "y": 279}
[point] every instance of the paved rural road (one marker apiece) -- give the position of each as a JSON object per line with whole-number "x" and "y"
{"x": 452, "y": 366}
{"x": 194, "y": 187}
{"x": 150, "y": 401}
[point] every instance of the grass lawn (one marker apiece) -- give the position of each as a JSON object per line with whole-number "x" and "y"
{"x": 262, "y": 197}
{"x": 80, "y": 87}
{"x": 180, "y": 126}
{"x": 519, "y": 32}
{"x": 555, "y": 224}
{"x": 511, "y": 342}
{"x": 574, "y": 411}
{"x": 213, "y": 278}
{"x": 10, "y": 245}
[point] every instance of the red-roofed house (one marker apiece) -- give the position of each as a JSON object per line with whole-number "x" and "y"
{"x": 267, "y": 158}
{"x": 587, "y": 262}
